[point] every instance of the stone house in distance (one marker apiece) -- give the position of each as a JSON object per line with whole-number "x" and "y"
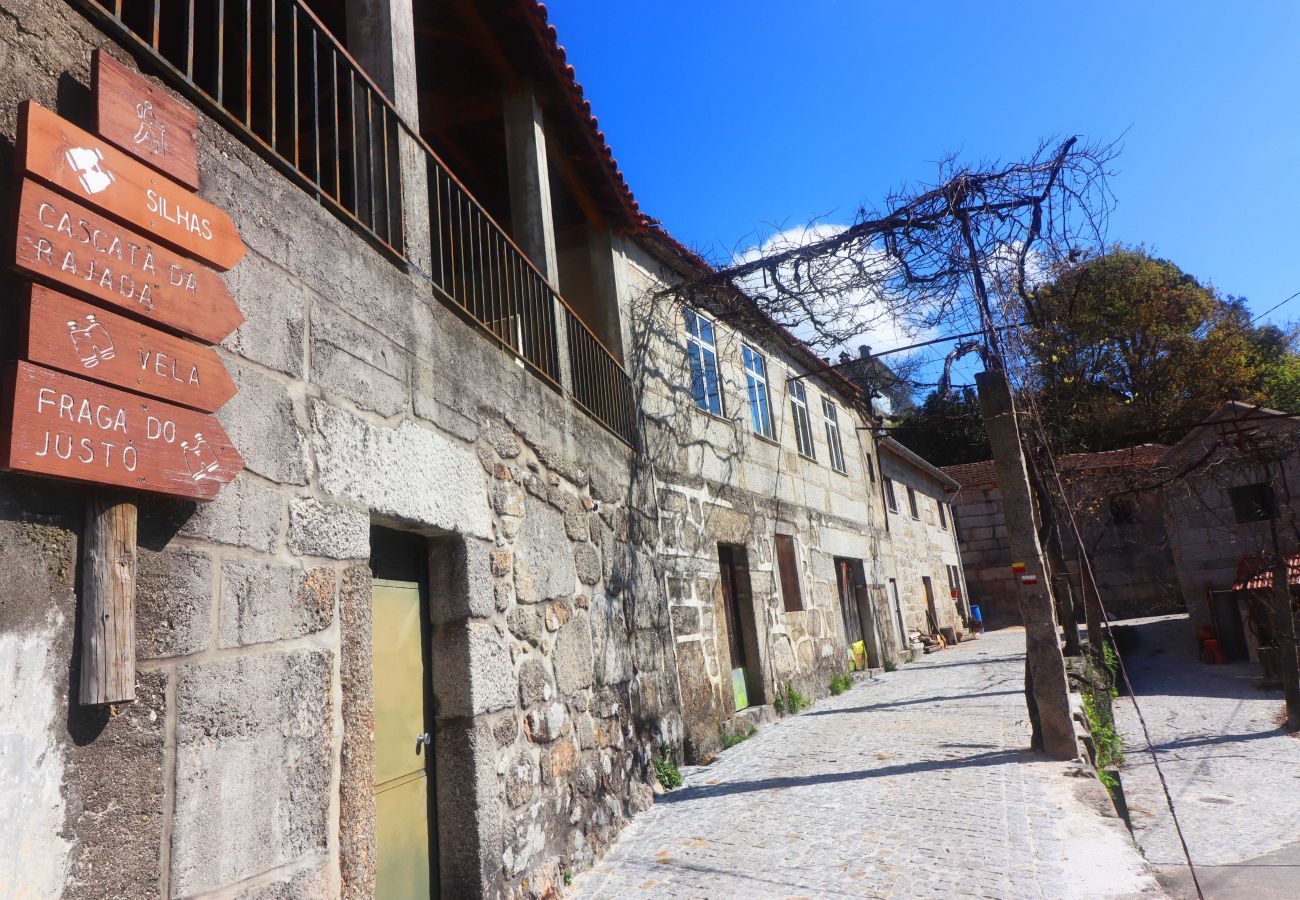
{"x": 501, "y": 539}
{"x": 928, "y": 589}
{"x": 1120, "y": 519}
{"x": 1227, "y": 492}
{"x": 771, "y": 534}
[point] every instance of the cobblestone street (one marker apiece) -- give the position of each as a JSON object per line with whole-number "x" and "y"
{"x": 1233, "y": 773}
{"x": 911, "y": 785}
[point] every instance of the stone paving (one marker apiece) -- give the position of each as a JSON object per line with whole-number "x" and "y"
{"x": 911, "y": 785}
{"x": 1233, "y": 773}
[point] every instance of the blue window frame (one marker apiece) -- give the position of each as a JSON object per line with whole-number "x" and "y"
{"x": 760, "y": 408}
{"x": 702, "y": 351}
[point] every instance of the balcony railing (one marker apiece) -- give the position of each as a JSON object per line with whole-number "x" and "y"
{"x": 271, "y": 72}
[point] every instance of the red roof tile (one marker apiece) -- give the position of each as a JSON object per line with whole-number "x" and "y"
{"x": 973, "y": 475}
{"x": 1255, "y": 571}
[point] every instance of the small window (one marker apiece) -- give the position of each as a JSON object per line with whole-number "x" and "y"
{"x": 702, "y": 351}
{"x": 1123, "y": 510}
{"x": 802, "y": 425}
{"x": 760, "y": 409}
{"x": 788, "y": 564}
{"x": 1253, "y": 502}
{"x": 911, "y": 502}
{"x": 943, "y": 515}
{"x": 871, "y": 467}
{"x": 890, "y": 497}
{"x": 834, "y": 447}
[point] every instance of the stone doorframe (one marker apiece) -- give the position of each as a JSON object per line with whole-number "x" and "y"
{"x": 469, "y": 821}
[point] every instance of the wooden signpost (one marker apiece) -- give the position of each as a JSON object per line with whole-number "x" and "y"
{"x": 92, "y": 169}
{"x": 68, "y": 427}
{"x": 145, "y": 120}
{"x": 63, "y": 333}
{"x": 64, "y": 242}
{"x": 106, "y": 245}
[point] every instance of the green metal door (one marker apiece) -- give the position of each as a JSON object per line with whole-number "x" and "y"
{"x": 402, "y": 742}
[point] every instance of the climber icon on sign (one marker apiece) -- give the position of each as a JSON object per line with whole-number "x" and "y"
{"x": 88, "y": 163}
{"x": 92, "y": 342}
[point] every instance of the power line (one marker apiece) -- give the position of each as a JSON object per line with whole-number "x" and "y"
{"x": 1258, "y": 316}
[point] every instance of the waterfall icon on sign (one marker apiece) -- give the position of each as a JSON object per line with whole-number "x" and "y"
{"x": 152, "y": 133}
{"x": 88, "y": 163}
{"x": 200, "y": 459}
{"x": 91, "y": 341}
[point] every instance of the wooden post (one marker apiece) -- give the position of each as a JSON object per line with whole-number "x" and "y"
{"x": 108, "y": 557}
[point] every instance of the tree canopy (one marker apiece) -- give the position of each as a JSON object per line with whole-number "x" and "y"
{"x": 1127, "y": 348}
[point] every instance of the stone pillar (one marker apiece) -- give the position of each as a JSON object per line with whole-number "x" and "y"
{"x": 1047, "y": 689}
{"x": 530, "y": 206}
{"x": 607, "y": 277}
{"x": 381, "y": 37}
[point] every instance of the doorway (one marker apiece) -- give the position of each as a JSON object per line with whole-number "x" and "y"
{"x": 742, "y": 632}
{"x": 855, "y": 609}
{"x": 931, "y": 611}
{"x": 898, "y": 613}
{"x": 405, "y": 810}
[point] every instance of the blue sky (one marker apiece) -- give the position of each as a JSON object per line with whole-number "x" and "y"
{"x": 730, "y": 118}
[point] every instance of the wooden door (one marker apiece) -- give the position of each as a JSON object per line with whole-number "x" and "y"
{"x": 735, "y": 636}
{"x": 848, "y": 602}
{"x": 403, "y": 742}
{"x": 929, "y": 604}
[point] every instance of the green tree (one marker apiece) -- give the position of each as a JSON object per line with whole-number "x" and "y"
{"x": 1130, "y": 344}
{"x": 945, "y": 431}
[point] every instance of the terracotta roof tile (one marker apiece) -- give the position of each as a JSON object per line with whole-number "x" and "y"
{"x": 1255, "y": 572}
{"x": 973, "y": 475}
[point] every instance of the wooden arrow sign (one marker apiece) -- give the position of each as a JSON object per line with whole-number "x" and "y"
{"x": 55, "y": 424}
{"x": 91, "y": 169}
{"x": 146, "y": 121}
{"x": 85, "y": 340}
{"x": 68, "y": 244}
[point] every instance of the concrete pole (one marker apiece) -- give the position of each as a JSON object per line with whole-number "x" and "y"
{"x": 532, "y": 220}
{"x": 1047, "y": 691}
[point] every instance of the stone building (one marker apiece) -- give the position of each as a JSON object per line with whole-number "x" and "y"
{"x": 1119, "y": 517}
{"x": 928, "y": 589}
{"x": 1227, "y": 495}
{"x": 771, "y": 529}
{"x": 459, "y": 600}
{"x": 430, "y": 434}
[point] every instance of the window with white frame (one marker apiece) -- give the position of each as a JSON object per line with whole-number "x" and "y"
{"x": 760, "y": 407}
{"x": 836, "y": 449}
{"x": 799, "y": 414}
{"x": 702, "y": 351}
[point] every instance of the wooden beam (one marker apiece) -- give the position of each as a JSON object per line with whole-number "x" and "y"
{"x": 108, "y": 558}
{"x": 487, "y": 42}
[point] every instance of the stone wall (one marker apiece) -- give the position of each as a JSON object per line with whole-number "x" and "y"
{"x": 244, "y": 766}
{"x": 986, "y": 553}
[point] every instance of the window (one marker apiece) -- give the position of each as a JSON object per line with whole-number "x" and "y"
{"x": 703, "y": 353}
{"x": 871, "y": 467}
{"x": 1253, "y": 502}
{"x": 911, "y": 502}
{"x": 788, "y": 564}
{"x": 834, "y": 447}
{"x": 943, "y": 515}
{"x": 799, "y": 412}
{"x": 760, "y": 409}
{"x": 1124, "y": 511}
{"x": 890, "y": 497}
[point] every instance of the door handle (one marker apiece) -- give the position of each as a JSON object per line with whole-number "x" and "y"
{"x": 423, "y": 740}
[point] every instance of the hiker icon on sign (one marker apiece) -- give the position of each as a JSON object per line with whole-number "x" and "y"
{"x": 87, "y": 162}
{"x": 91, "y": 341}
{"x": 200, "y": 458}
{"x": 152, "y": 133}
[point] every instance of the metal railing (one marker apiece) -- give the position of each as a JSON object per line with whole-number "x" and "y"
{"x": 273, "y": 73}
